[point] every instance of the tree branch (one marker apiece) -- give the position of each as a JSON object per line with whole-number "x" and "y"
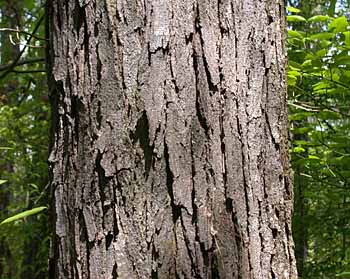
{"x": 22, "y": 32}
{"x": 22, "y": 62}
{"x": 28, "y": 71}
{"x": 14, "y": 63}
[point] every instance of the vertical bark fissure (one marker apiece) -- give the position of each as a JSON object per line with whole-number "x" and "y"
{"x": 245, "y": 185}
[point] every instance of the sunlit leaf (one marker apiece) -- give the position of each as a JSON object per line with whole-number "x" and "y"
{"x": 298, "y": 149}
{"x": 322, "y": 52}
{"x": 295, "y": 18}
{"x": 325, "y": 43}
{"x": 294, "y": 64}
{"x": 34, "y": 186}
{"x": 296, "y": 34}
{"x": 321, "y": 85}
{"x": 343, "y": 274}
{"x": 292, "y": 80}
{"x": 307, "y": 63}
{"x": 2, "y": 181}
{"x": 338, "y": 25}
{"x": 293, "y": 10}
{"x": 23, "y": 214}
{"x": 313, "y": 157}
{"x": 318, "y": 18}
{"x": 294, "y": 73}
{"x": 322, "y": 36}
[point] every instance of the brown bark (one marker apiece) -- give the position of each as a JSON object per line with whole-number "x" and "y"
{"x": 169, "y": 158}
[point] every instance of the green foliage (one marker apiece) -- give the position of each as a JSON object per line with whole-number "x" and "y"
{"x": 293, "y": 10}
{"x": 23, "y": 214}
{"x": 295, "y": 18}
{"x": 24, "y": 125}
{"x": 343, "y": 275}
{"x": 319, "y": 90}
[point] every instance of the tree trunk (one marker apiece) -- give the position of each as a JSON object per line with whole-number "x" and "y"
{"x": 300, "y": 224}
{"x": 169, "y": 157}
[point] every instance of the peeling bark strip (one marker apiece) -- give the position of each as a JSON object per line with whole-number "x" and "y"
{"x": 169, "y": 156}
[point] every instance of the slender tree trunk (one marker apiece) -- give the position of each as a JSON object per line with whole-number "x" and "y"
{"x": 169, "y": 157}
{"x": 300, "y": 222}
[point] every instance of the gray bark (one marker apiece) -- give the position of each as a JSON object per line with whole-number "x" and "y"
{"x": 169, "y": 157}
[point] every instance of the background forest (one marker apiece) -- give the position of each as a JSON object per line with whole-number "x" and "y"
{"x": 318, "y": 46}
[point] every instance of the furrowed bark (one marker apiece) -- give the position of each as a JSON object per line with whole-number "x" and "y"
{"x": 169, "y": 157}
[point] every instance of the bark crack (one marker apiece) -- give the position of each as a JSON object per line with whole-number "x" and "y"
{"x": 141, "y": 135}
{"x": 198, "y": 29}
{"x": 199, "y": 107}
{"x": 245, "y": 183}
{"x": 176, "y": 209}
{"x": 194, "y": 267}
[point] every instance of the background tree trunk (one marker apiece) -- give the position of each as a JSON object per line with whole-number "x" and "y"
{"x": 169, "y": 157}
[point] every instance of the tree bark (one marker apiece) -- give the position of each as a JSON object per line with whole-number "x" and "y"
{"x": 300, "y": 221}
{"x": 169, "y": 157}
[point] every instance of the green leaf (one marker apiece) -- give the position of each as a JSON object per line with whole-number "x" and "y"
{"x": 342, "y": 60}
{"x": 347, "y": 38}
{"x": 299, "y": 116}
{"x": 295, "y": 34}
{"x": 34, "y": 186}
{"x": 294, "y": 64}
{"x": 305, "y": 143}
{"x": 318, "y": 18}
{"x": 325, "y": 43}
{"x": 322, "y": 52}
{"x": 302, "y": 130}
{"x": 326, "y": 114}
{"x": 294, "y": 73}
{"x": 295, "y": 42}
{"x": 328, "y": 91}
{"x": 23, "y": 214}
{"x": 5, "y": 148}
{"x": 322, "y": 36}
{"x": 295, "y": 18}
{"x": 311, "y": 56}
{"x": 343, "y": 274}
{"x": 2, "y": 181}
{"x": 321, "y": 85}
{"x": 313, "y": 157}
{"x": 298, "y": 149}
{"x": 307, "y": 63}
{"x": 293, "y": 10}
{"x": 292, "y": 80}
{"x": 338, "y": 25}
